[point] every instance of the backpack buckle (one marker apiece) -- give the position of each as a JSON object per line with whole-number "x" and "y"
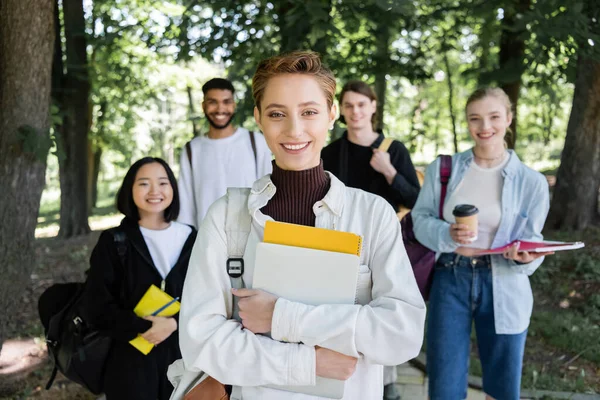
{"x": 235, "y": 267}
{"x": 77, "y": 321}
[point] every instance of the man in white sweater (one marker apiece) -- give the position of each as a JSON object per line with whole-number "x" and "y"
{"x": 226, "y": 157}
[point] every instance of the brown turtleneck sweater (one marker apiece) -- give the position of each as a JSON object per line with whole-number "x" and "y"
{"x": 297, "y": 192}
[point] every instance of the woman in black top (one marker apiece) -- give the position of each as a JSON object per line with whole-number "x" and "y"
{"x": 157, "y": 250}
{"x": 355, "y": 158}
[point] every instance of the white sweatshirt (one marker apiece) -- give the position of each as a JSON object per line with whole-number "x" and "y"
{"x": 217, "y": 165}
{"x": 384, "y": 327}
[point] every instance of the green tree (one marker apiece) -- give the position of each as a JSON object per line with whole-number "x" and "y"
{"x": 575, "y": 199}
{"x": 26, "y": 44}
{"x": 70, "y": 91}
{"x": 512, "y": 57}
{"x": 121, "y": 64}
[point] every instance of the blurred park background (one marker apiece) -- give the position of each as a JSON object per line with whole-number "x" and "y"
{"x": 89, "y": 86}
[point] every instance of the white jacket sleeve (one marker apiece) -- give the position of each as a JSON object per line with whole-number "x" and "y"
{"x": 387, "y": 331}
{"x": 431, "y": 231}
{"x": 217, "y": 345}
{"x": 185, "y": 184}
{"x": 264, "y": 157}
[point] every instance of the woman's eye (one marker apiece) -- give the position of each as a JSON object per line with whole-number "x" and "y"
{"x": 164, "y": 184}
{"x": 310, "y": 112}
{"x": 276, "y": 114}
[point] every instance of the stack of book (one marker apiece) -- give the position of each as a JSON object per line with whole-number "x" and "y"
{"x": 312, "y": 266}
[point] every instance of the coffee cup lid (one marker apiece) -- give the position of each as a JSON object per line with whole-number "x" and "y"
{"x": 464, "y": 210}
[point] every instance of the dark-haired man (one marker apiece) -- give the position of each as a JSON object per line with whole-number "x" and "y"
{"x": 226, "y": 157}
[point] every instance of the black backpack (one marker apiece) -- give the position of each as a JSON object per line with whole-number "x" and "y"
{"x": 78, "y": 350}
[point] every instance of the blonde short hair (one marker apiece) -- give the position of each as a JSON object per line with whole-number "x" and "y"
{"x": 296, "y": 62}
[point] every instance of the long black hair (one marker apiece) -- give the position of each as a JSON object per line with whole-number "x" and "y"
{"x": 125, "y": 203}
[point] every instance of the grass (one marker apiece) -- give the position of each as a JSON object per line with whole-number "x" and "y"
{"x": 563, "y": 346}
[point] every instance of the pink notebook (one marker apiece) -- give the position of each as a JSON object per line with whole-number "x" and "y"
{"x": 537, "y": 247}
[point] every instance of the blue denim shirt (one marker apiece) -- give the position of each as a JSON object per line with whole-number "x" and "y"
{"x": 525, "y": 204}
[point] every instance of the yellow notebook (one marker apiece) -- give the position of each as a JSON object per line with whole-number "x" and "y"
{"x": 152, "y": 301}
{"x": 312, "y": 238}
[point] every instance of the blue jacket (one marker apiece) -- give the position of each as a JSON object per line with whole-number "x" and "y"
{"x": 525, "y": 204}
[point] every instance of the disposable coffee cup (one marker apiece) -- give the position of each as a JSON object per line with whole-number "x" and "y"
{"x": 466, "y": 214}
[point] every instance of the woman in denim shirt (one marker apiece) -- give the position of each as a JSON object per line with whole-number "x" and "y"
{"x": 493, "y": 291}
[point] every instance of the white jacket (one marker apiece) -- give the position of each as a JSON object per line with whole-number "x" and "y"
{"x": 385, "y": 327}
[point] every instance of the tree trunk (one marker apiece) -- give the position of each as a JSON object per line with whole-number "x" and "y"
{"x": 73, "y": 143}
{"x": 94, "y": 158}
{"x": 575, "y": 198}
{"x": 382, "y": 59}
{"x": 512, "y": 54}
{"x": 436, "y": 132}
{"x": 451, "y": 100}
{"x": 192, "y": 112}
{"x": 26, "y": 43}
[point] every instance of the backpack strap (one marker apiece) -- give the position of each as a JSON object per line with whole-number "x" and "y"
{"x": 120, "y": 240}
{"x": 253, "y": 143}
{"x": 385, "y": 144}
{"x": 188, "y": 150}
{"x": 237, "y": 229}
{"x": 53, "y": 375}
{"x": 445, "y": 172}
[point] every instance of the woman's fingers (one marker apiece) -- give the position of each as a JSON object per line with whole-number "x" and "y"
{"x": 461, "y": 234}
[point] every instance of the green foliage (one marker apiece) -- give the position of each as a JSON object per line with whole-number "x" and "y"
{"x": 121, "y": 62}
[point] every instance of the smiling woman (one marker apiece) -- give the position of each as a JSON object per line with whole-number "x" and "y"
{"x": 156, "y": 252}
{"x": 491, "y": 292}
{"x": 293, "y": 96}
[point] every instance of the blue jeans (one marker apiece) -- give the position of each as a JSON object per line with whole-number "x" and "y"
{"x": 460, "y": 295}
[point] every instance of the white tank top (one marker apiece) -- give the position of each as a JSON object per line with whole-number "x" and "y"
{"x": 481, "y": 187}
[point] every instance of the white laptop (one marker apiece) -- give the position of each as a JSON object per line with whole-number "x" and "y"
{"x": 312, "y": 277}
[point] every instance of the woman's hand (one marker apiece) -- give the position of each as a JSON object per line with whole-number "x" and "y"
{"x": 162, "y": 328}
{"x": 461, "y": 234}
{"x": 334, "y": 365}
{"x": 523, "y": 257}
{"x": 256, "y": 309}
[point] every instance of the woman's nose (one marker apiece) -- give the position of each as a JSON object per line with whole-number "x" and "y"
{"x": 294, "y": 128}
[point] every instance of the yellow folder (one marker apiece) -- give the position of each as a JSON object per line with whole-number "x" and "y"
{"x": 312, "y": 238}
{"x": 152, "y": 301}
